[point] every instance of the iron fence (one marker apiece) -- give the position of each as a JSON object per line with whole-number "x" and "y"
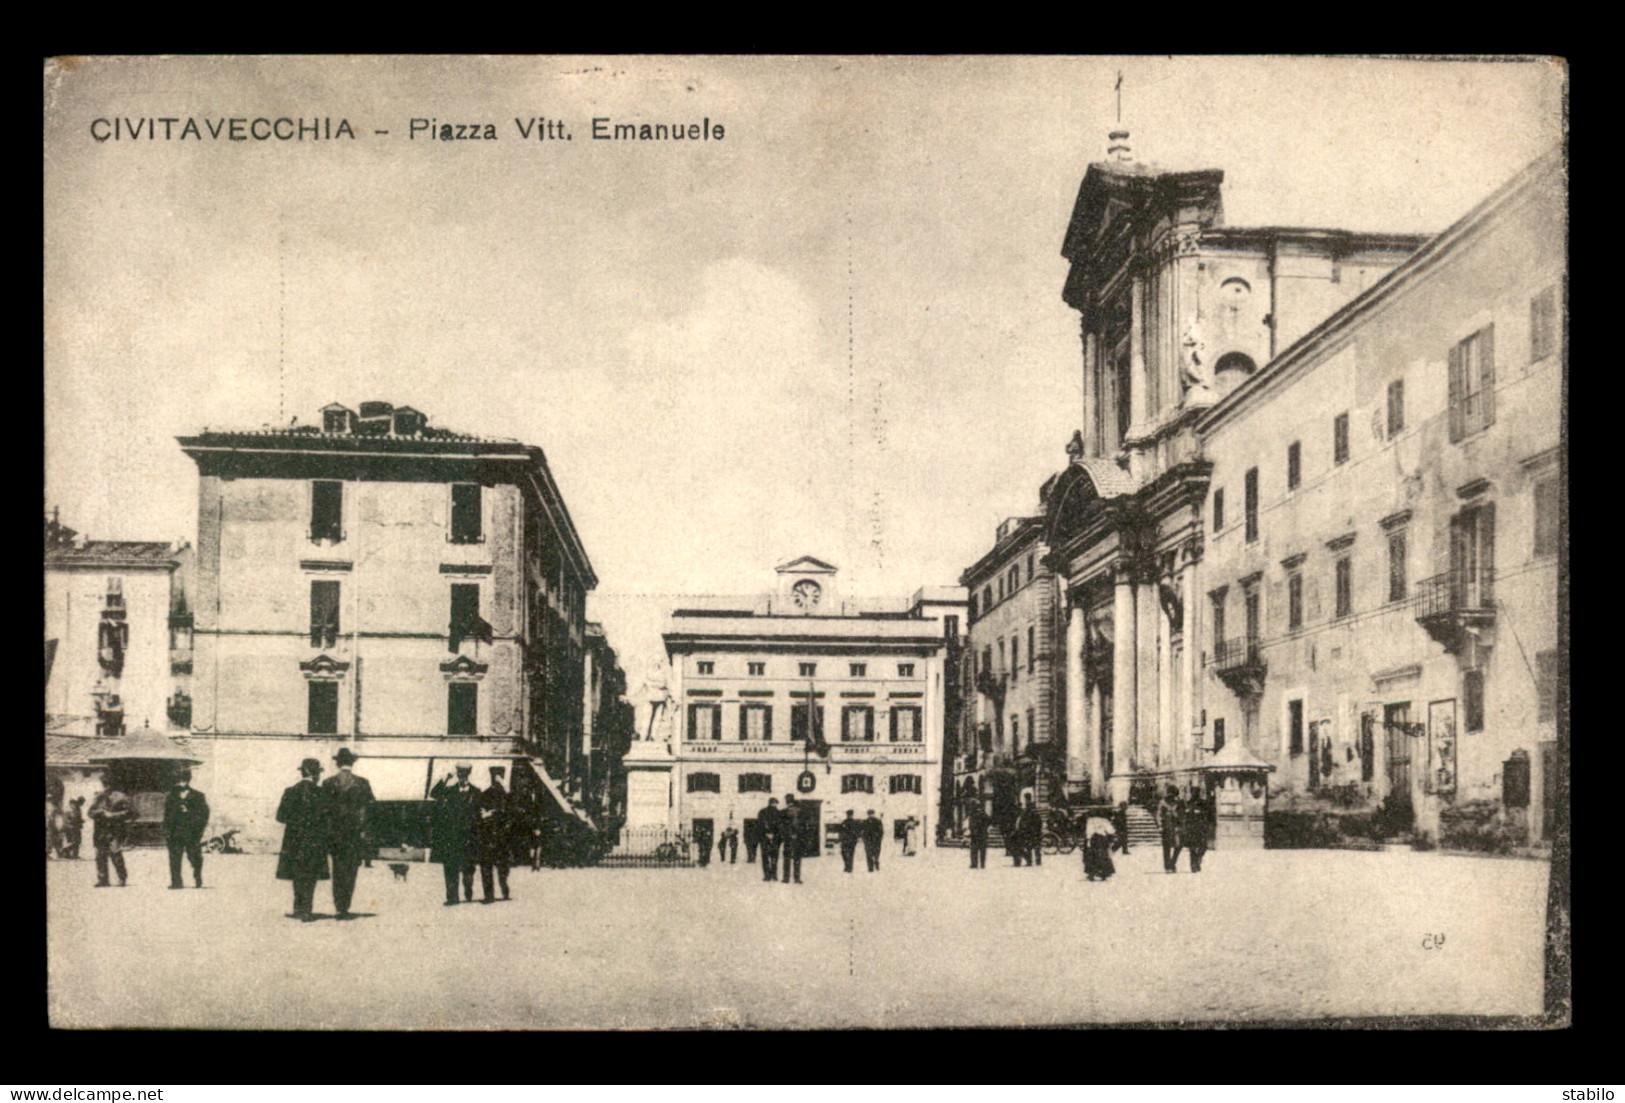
{"x": 650, "y": 848}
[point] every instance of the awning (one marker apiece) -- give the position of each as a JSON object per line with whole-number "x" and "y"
{"x": 1235, "y": 758}
{"x": 568, "y": 808}
{"x": 135, "y": 748}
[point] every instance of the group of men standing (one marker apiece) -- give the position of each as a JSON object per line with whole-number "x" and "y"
{"x": 781, "y": 830}
{"x": 1185, "y": 823}
{"x": 323, "y": 821}
{"x": 470, "y": 827}
{"x": 870, "y": 831}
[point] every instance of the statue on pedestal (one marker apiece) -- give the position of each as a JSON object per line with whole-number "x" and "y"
{"x": 1194, "y": 374}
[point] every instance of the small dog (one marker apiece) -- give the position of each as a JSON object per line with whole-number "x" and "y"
{"x": 400, "y": 870}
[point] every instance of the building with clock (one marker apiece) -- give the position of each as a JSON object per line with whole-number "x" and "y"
{"x": 842, "y": 702}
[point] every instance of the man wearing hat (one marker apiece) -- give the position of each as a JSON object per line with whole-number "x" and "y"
{"x": 304, "y": 842}
{"x": 186, "y": 814}
{"x": 110, "y": 813}
{"x": 874, "y": 833}
{"x": 349, "y": 805}
{"x": 493, "y": 835}
{"x": 456, "y": 806}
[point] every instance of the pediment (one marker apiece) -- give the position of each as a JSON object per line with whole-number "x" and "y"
{"x": 464, "y": 667}
{"x": 806, "y": 564}
{"x": 324, "y": 666}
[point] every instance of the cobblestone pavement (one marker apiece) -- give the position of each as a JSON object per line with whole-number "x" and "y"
{"x": 924, "y": 942}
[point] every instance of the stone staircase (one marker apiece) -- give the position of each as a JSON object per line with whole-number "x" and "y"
{"x": 1142, "y": 827}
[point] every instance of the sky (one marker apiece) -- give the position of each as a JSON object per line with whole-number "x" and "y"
{"x": 836, "y": 330}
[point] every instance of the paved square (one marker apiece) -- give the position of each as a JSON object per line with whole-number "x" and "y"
{"x": 924, "y": 942}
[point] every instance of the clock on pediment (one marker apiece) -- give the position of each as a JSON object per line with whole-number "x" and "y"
{"x": 807, "y": 586}
{"x": 806, "y": 594}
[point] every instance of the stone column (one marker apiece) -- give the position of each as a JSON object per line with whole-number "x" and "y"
{"x": 1148, "y": 610}
{"x": 1190, "y": 670}
{"x": 1136, "y": 356}
{"x": 1125, "y": 687}
{"x": 1091, "y": 400}
{"x": 1077, "y": 742}
{"x": 1167, "y": 731}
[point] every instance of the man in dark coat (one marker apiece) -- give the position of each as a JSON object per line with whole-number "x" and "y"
{"x": 752, "y": 841}
{"x": 848, "y": 832}
{"x": 976, "y": 819}
{"x": 769, "y": 829}
{"x": 349, "y": 807}
{"x": 702, "y": 841}
{"x": 1029, "y": 833}
{"x": 456, "y": 806}
{"x": 491, "y": 834}
{"x": 874, "y": 833}
{"x": 792, "y": 826}
{"x": 1120, "y": 827}
{"x": 730, "y": 840}
{"x": 304, "y": 841}
{"x": 1169, "y": 814}
{"x": 74, "y": 832}
{"x": 186, "y": 814}
{"x": 1195, "y": 829}
{"x": 111, "y": 812}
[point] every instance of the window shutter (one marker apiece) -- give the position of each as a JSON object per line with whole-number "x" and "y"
{"x": 868, "y": 725}
{"x": 892, "y": 722}
{"x": 744, "y": 722}
{"x": 693, "y": 713}
{"x": 1486, "y": 384}
{"x": 1486, "y": 552}
{"x": 767, "y": 722}
{"x": 1457, "y": 428}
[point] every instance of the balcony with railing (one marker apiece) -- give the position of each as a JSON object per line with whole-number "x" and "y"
{"x": 1458, "y": 603}
{"x": 1239, "y": 663}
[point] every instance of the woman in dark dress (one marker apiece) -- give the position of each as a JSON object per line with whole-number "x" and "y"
{"x": 1097, "y": 851}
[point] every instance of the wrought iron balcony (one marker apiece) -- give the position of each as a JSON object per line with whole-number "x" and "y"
{"x": 1458, "y": 603}
{"x": 1239, "y": 663}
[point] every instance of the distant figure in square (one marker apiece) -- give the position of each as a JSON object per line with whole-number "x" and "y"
{"x": 730, "y": 840}
{"x": 303, "y": 861}
{"x": 769, "y": 828}
{"x": 1097, "y": 849}
{"x": 874, "y": 833}
{"x": 1195, "y": 828}
{"x": 1169, "y": 814}
{"x": 111, "y": 812}
{"x": 911, "y": 836}
{"x": 491, "y": 835}
{"x": 1029, "y": 833}
{"x": 1120, "y": 827}
{"x": 186, "y": 814}
{"x": 456, "y": 805}
{"x": 752, "y": 841}
{"x": 793, "y": 828}
{"x": 74, "y": 832}
{"x": 349, "y": 804}
{"x": 702, "y": 842}
{"x": 976, "y": 819}
{"x": 848, "y": 832}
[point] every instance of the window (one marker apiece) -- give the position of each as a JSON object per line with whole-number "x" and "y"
{"x": 115, "y": 593}
{"x": 322, "y": 716}
{"x": 1015, "y": 731}
{"x": 1032, "y": 728}
{"x": 465, "y": 513}
{"x": 1218, "y": 509}
{"x": 1032, "y": 649}
{"x": 1546, "y": 686}
{"x": 324, "y": 614}
{"x": 327, "y": 511}
{"x": 754, "y": 783}
{"x": 1472, "y": 384}
{"x": 1543, "y": 324}
{"x": 1396, "y": 407}
{"x": 987, "y": 661}
{"x": 756, "y": 723}
{"x": 704, "y": 783}
{"x": 987, "y": 599}
{"x": 905, "y": 724}
{"x": 857, "y": 670}
{"x": 1294, "y": 600}
{"x": 1249, "y": 600}
{"x": 857, "y": 783}
{"x": 907, "y": 783}
{"x": 1294, "y": 723}
{"x": 1031, "y": 559}
{"x": 1340, "y": 438}
{"x": 180, "y": 710}
{"x": 1472, "y": 700}
{"x": 1001, "y": 656}
{"x": 808, "y": 669}
{"x": 1015, "y": 657}
{"x": 1015, "y": 578}
{"x": 1001, "y": 588}
{"x": 1250, "y": 492}
{"x": 1218, "y": 735}
{"x": 905, "y": 670}
{"x": 465, "y": 615}
{"x": 757, "y": 670}
{"x": 704, "y": 722}
{"x": 798, "y": 721}
{"x": 1398, "y": 583}
{"x": 971, "y": 610}
{"x": 705, "y": 666}
{"x": 1472, "y": 558}
{"x": 1218, "y": 621}
{"x": 1294, "y": 465}
{"x": 1547, "y": 504}
{"x": 857, "y": 724}
{"x": 1344, "y": 570}
{"x": 462, "y": 708}
{"x": 950, "y": 628}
